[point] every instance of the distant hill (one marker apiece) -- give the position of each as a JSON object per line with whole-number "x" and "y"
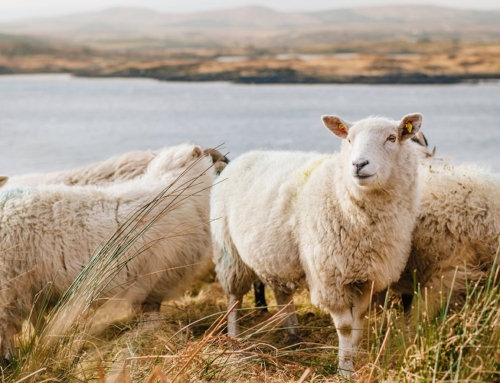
{"x": 13, "y": 45}
{"x": 263, "y": 26}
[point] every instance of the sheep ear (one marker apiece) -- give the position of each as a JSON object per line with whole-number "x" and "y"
{"x": 336, "y": 125}
{"x": 409, "y": 126}
{"x": 197, "y": 152}
{"x": 208, "y": 151}
{"x": 3, "y": 180}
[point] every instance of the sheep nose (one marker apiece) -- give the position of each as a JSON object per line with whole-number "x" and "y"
{"x": 360, "y": 164}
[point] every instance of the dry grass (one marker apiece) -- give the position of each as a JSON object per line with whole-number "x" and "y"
{"x": 186, "y": 343}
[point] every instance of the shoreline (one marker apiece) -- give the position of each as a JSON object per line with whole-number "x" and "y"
{"x": 433, "y": 62}
{"x": 446, "y": 66}
{"x": 281, "y": 77}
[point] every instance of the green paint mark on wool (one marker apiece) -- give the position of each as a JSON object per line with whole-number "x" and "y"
{"x": 306, "y": 173}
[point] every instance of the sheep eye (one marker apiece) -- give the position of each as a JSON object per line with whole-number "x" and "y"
{"x": 348, "y": 140}
{"x": 391, "y": 138}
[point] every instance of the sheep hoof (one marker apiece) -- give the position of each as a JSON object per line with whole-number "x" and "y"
{"x": 6, "y": 361}
{"x": 151, "y": 307}
{"x": 294, "y": 338}
{"x": 346, "y": 370}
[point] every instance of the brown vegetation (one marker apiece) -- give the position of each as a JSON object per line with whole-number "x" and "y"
{"x": 424, "y": 62}
{"x": 186, "y": 343}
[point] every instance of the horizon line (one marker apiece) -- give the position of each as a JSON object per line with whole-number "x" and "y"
{"x": 60, "y": 14}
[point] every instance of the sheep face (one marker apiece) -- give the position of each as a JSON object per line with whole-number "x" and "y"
{"x": 372, "y": 147}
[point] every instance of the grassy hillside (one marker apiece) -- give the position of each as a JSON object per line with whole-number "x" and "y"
{"x": 362, "y": 62}
{"x": 392, "y": 44}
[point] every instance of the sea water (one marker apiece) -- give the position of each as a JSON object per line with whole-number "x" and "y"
{"x": 54, "y": 122}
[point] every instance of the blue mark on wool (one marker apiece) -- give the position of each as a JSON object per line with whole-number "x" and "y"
{"x": 226, "y": 258}
{"x": 13, "y": 193}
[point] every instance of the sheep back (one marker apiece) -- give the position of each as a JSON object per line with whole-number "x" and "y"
{"x": 118, "y": 168}
{"x": 261, "y": 195}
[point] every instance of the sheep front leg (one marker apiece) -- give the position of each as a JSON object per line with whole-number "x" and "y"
{"x": 287, "y": 308}
{"x": 350, "y": 325}
{"x": 233, "y": 328}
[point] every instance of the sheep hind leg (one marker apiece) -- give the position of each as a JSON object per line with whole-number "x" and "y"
{"x": 407, "y": 300}
{"x": 287, "y": 309}
{"x": 236, "y": 279}
{"x": 259, "y": 290}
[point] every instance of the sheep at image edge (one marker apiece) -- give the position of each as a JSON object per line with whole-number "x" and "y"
{"x": 48, "y": 233}
{"x": 119, "y": 168}
{"x": 116, "y": 169}
{"x": 457, "y": 235}
{"x": 341, "y": 222}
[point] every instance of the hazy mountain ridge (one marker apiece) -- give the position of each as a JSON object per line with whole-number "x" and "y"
{"x": 264, "y": 26}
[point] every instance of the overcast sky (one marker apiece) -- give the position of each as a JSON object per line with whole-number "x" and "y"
{"x": 19, "y": 9}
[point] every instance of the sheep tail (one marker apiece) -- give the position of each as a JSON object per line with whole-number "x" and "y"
{"x": 234, "y": 275}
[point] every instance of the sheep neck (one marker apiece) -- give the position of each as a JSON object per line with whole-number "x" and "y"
{"x": 370, "y": 215}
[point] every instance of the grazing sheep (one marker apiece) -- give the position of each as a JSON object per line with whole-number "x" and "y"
{"x": 119, "y": 168}
{"x": 220, "y": 160}
{"x": 341, "y": 222}
{"x": 49, "y": 232}
{"x": 457, "y": 234}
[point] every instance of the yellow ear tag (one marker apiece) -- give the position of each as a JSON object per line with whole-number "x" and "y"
{"x": 409, "y": 127}
{"x": 342, "y": 128}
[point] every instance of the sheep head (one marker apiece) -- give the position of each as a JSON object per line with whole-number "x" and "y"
{"x": 374, "y": 148}
{"x": 423, "y": 146}
{"x": 220, "y": 160}
{"x": 174, "y": 158}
